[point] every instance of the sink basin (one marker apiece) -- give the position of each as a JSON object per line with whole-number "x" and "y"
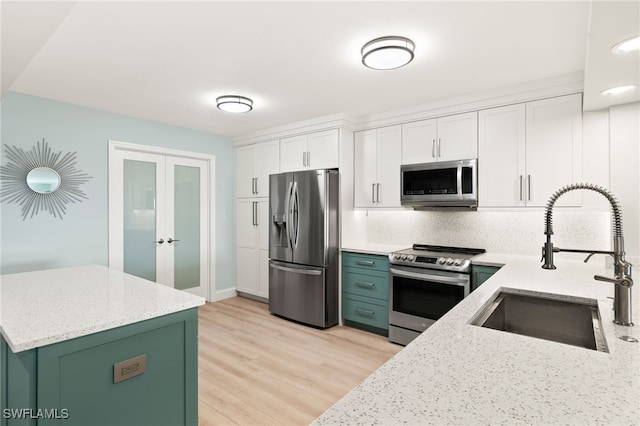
{"x": 564, "y": 319}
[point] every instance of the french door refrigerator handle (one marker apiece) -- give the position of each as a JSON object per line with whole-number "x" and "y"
{"x": 295, "y": 213}
{"x": 288, "y": 201}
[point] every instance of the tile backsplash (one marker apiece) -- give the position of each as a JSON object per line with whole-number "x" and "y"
{"x": 512, "y": 232}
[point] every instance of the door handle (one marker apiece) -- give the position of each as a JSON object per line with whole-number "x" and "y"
{"x": 254, "y": 213}
{"x": 304, "y": 159}
{"x": 377, "y": 193}
{"x": 171, "y": 240}
{"x": 529, "y": 187}
{"x": 309, "y": 158}
{"x": 256, "y": 185}
{"x": 433, "y": 149}
{"x": 296, "y": 270}
{"x": 520, "y": 187}
{"x": 439, "y": 143}
{"x": 160, "y": 241}
{"x": 373, "y": 192}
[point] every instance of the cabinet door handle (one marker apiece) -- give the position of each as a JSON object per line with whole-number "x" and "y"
{"x": 365, "y": 312}
{"x": 378, "y": 193}
{"x": 439, "y": 144}
{"x": 365, "y": 262}
{"x": 373, "y": 192}
{"x": 520, "y": 187}
{"x": 365, "y": 284}
{"x": 160, "y": 241}
{"x": 309, "y": 158}
{"x": 304, "y": 159}
{"x": 529, "y": 187}
{"x": 433, "y": 149}
{"x": 254, "y": 208}
{"x": 256, "y": 186}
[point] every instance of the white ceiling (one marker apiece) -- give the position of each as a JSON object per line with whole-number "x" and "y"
{"x": 297, "y": 60}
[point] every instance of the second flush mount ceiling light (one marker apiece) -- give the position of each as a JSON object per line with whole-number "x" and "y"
{"x": 234, "y": 103}
{"x": 387, "y": 53}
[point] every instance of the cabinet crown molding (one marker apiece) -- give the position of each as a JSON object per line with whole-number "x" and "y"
{"x": 327, "y": 122}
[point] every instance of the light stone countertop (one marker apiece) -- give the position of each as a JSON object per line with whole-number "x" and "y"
{"x": 461, "y": 374}
{"x": 44, "y": 307}
{"x": 367, "y": 248}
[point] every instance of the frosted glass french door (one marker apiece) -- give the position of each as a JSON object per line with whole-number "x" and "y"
{"x": 161, "y": 222}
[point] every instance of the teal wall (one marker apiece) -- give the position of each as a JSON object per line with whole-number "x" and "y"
{"x": 81, "y": 237}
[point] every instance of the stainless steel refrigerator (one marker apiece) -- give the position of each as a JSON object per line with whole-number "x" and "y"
{"x": 303, "y": 246}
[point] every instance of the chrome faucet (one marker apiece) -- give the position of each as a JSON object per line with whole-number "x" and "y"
{"x": 622, "y": 269}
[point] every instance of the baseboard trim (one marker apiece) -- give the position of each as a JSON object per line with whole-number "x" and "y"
{"x": 224, "y": 294}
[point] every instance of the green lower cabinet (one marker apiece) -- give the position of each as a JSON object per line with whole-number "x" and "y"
{"x": 481, "y": 273}
{"x": 140, "y": 374}
{"x": 365, "y": 292}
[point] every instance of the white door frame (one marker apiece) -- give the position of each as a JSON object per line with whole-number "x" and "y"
{"x": 115, "y": 218}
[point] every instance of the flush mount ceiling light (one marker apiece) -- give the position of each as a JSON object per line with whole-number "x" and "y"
{"x": 234, "y": 103}
{"x": 387, "y": 53}
{"x": 627, "y": 46}
{"x": 619, "y": 90}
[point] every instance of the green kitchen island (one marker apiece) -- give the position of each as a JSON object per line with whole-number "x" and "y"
{"x": 89, "y": 345}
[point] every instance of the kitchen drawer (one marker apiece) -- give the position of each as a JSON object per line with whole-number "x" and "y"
{"x": 365, "y": 310}
{"x": 370, "y": 284}
{"x": 365, "y": 261}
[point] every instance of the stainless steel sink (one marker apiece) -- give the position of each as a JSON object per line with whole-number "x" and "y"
{"x": 570, "y": 320}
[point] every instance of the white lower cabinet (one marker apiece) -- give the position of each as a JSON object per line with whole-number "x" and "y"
{"x": 528, "y": 151}
{"x": 252, "y": 247}
{"x": 377, "y": 167}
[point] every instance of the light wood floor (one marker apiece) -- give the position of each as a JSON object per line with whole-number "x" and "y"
{"x": 258, "y": 369}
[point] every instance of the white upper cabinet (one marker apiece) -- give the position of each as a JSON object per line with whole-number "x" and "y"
{"x": 254, "y": 164}
{"x": 320, "y": 150}
{"x": 528, "y": 151}
{"x": 454, "y": 137}
{"x": 419, "y": 142}
{"x": 377, "y": 167}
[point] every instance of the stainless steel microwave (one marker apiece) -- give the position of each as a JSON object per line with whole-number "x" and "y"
{"x": 440, "y": 185}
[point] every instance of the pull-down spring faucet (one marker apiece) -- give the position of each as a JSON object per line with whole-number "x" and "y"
{"x": 622, "y": 269}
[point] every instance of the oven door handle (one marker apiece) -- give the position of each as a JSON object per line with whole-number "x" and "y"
{"x": 424, "y": 277}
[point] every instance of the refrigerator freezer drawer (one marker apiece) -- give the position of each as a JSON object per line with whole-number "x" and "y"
{"x": 298, "y": 293}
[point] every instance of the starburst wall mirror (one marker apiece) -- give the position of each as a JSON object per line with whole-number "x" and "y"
{"x": 41, "y": 180}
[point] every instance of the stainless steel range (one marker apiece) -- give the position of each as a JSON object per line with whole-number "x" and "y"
{"x": 425, "y": 283}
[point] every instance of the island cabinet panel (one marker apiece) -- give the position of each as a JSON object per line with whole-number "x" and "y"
{"x": 78, "y": 377}
{"x": 365, "y": 292}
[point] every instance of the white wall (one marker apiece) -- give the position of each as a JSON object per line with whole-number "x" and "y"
{"x": 624, "y": 136}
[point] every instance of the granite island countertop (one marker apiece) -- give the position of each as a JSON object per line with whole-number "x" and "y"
{"x": 50, "y": 306}
{"x": 462, "y": 374}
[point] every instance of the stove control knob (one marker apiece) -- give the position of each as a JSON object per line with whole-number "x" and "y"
{"x": 396, "y": 256}
{"x": 403, "y": 257}
{"x": 441, "y": 260}
{"x": 449, "y": 261}
{"x": 410, "y": 257}
{"x": 457, "y": 262}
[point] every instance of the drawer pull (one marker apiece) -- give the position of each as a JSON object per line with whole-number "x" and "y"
{"x": 365, "y": 262}
{"x": 364, "y": 284}
{"x": 365, "y": 312}
{"x": 129, "y": 368}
